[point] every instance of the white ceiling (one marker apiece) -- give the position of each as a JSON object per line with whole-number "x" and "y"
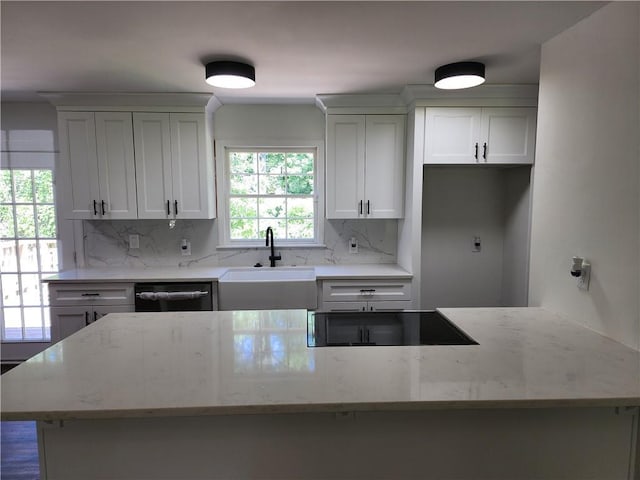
{"x": 299, "y": 49}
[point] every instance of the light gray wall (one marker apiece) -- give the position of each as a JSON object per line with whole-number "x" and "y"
{"x": 586, "y": 183}
{"x": 517, "y": 219}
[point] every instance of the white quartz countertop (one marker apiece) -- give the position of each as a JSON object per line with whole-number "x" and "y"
{"x": 209, "y": 363}
{"x": 169, "y": 274}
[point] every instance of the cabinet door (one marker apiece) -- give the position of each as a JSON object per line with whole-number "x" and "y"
{"x": 68, "y": 320}
{"x": 192, "y": 180}
{"x": 452, "y": 135}
{"x": 384, "y": 166}
{"x": 153, "y": 165}
{"x": 345, "y": 331}
{"x": 79, "y": 165}
{"x": 100, "y": 311}
{"x": 384, "y": 331}
{"x": 116, "y": 165}
{"x": 345, "y": 166}
{"x": 509, "y": 134}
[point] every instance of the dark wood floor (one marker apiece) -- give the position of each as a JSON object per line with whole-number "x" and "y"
{"x": 19, "y": 458}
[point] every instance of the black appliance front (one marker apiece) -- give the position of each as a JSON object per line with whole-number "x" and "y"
{"x": 173, "y": 297}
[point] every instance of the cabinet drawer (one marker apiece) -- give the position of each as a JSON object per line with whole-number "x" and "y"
{"x": 91, "y": 294}
{"x": 366, "y": 290}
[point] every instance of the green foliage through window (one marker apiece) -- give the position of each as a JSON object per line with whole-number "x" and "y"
{"x": 271, "y": 189}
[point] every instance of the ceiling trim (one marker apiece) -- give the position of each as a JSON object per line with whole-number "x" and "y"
{"x": 525, "y": 95}
{"x": 177, "y": 102}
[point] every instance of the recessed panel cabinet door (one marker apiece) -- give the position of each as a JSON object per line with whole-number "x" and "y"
{"x": 452, "y": 135}
{"x": 78, "y": 175}
{"x": 509, "y": 134}
{"x": 189, "y": 166}
{"x": 345, "y": 166}
{"x": 384, "y": 166}
{"x": 116, "y": 165}
{"x": 153, "y": 165}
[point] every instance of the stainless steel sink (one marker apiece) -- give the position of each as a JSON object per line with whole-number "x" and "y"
{"x": 261, "y": 288}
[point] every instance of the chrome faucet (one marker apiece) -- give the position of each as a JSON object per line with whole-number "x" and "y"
{"x": 273, "y": 257}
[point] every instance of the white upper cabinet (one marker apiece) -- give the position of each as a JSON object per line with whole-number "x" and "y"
{"x": 192, "y": 176}
{"x": 501, "y": 135}
{"x": 97, "y": 174}
{"x": 365, "y": 166}
{"x": 116, "y": 167}
{"x": 172, "y": 170}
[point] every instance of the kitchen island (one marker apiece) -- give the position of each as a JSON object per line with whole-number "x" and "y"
{"x": 240, "y": 395}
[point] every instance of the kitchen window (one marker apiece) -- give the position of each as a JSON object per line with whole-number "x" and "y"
{"x": 270, "y": 187}
{"x": 28, "y": 238}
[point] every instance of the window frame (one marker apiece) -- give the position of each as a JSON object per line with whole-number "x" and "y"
{"x": 21, "y": 270}
{"x": 223, "y": 188}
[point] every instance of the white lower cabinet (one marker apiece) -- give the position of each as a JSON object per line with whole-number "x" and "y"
{"x": 73, "y": 306}
{"x": 354, "y": 330}
{"x": 68, "y": 320}
{"x": 366, "y": 295}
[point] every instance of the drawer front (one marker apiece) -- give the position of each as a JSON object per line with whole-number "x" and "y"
{"x": 366, "y": 290}
{"x": 91, "y": 294}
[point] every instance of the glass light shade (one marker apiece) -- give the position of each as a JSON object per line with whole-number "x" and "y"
{"x": 230, "y": 81}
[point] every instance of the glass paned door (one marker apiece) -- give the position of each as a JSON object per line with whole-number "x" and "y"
{"x": 28, "y": 239}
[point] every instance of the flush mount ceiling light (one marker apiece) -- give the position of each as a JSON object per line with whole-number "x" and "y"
{"x": 459, "y": 75}
{"x": 228, "y": 74}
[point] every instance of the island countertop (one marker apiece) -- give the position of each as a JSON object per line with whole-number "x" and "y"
{"x": 211, "y": 363}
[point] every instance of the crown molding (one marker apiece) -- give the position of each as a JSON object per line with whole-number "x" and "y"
{"x": 361, "y": 103}
{"x": 524, "y": 95}
{"x": 114, "y": 101}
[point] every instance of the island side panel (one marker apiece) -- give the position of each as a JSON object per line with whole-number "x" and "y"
{"x": 456, "y": 444}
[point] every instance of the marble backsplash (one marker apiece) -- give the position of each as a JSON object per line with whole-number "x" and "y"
{"x": 106, "y": 243}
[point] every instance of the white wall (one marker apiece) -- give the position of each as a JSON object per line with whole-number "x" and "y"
{"x": 586, "y": 183}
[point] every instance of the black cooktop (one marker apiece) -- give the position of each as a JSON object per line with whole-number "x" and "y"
{"x": 405, "y": 327}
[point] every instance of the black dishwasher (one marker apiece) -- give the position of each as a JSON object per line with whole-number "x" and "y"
{"x": 174, "y": 297}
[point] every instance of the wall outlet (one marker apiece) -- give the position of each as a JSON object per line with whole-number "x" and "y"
{"x": 185, "y": 247}
{"x": 134, "y": 241}
{"x": 353, "y": 245}
{"x": 476, "y": 245}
